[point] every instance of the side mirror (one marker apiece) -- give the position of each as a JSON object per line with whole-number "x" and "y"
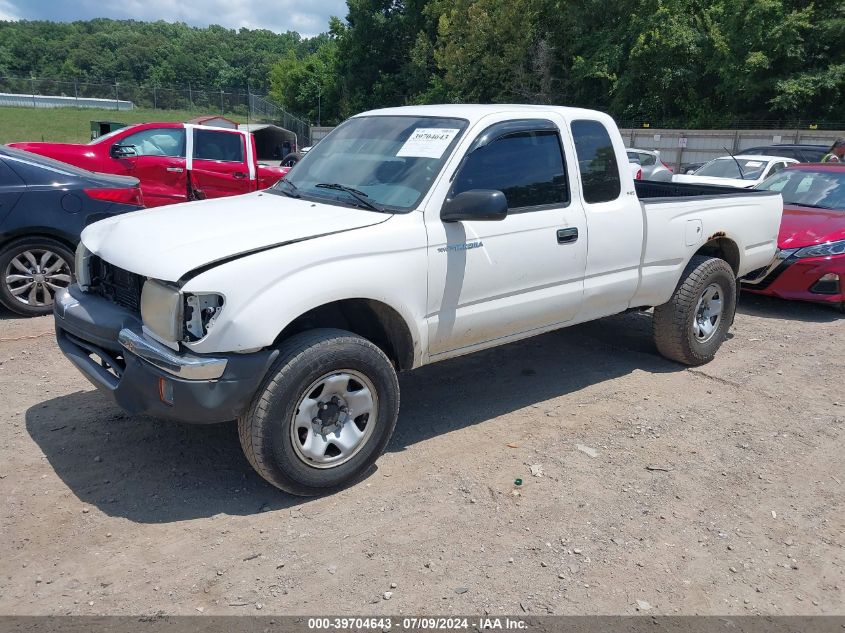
{"x": 475, "y": 204}
{"x": 123, "y": 151}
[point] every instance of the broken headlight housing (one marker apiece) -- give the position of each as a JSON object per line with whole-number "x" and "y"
{"x": 170, "y": 315}
{"x": 201, "y": 310}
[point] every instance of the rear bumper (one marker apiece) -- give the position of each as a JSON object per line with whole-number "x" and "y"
{"x": 801, "y": 279}
{"x": 106, "y": 344}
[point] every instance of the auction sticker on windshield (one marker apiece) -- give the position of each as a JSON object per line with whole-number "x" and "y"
{"x": 427, "y": 142}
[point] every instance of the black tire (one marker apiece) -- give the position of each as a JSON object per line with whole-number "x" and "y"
{"x": 674, "y": 320}
{"x": 43, "y": 298}
{"x": 289, "y": 160}
{"x": 266, "y": 430}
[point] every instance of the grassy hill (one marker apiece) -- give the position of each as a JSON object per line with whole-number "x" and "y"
{"x": 73, "y": 125}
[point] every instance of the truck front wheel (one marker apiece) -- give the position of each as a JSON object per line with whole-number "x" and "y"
{"x": 324, "y": 413}
{"x": 692, "y": 325}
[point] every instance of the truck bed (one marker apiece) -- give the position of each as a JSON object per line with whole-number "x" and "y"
{"x": 650, "y": 189}
{"x": 680, "y": 216}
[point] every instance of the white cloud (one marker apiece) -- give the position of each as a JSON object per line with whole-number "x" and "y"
{"x": 8, "y": 11}
{"x": 306, "y": 17}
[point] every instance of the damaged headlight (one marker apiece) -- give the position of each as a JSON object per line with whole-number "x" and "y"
{"x": 171, "y": 316}
{"x": 201, "y": 310}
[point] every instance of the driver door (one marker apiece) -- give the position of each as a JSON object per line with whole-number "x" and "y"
{"x": 156, "y": 157}
{"x": 491, "y": 280}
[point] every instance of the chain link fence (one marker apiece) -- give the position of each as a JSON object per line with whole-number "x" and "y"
{"x": 263, "y": 109}
{"x": 33, "y": 92}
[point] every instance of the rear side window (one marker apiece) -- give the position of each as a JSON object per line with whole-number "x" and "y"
{"x": 526, "y": 166}
{"x": 776, "y": 167}
{"x": 213, "y": 145}
{"x": 596, "y": 161}
{"x": 811, "y": 155}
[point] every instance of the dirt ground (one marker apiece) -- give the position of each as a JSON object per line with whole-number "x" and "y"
{"x": 715, "y": 490}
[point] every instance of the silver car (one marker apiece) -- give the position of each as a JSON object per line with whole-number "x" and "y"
{"x": 652, "y": 167}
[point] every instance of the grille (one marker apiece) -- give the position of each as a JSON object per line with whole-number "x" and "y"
{"x": 115, "y": 284}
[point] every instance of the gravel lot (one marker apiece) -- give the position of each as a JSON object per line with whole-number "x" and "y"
{"x": 715, "y": 490}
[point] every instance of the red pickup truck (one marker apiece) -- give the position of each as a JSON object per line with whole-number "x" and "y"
{"x": 175, "y": 162}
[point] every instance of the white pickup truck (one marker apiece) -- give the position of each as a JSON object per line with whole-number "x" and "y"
{"x": 407, "y": 236}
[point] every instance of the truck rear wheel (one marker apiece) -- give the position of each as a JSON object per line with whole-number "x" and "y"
{"x": 324, "y": 413}
{"x": 693, "y": 324}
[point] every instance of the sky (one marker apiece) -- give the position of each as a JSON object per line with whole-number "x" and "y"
{"x": 308, "y": 17}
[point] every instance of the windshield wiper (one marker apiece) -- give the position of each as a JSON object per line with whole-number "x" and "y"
{"x": 293, "y": 189}
{"x": 807, "y": 204}
{"x": 360, "y": 196}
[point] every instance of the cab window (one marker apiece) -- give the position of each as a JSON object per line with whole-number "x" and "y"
{"x": 156, "y": 142}
{"x": 596, "y": 162}
{"x": 527, "y": 166}
{"x": 214, "y": 145}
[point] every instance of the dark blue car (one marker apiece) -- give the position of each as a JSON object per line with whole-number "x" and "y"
{"x": 44, "y": 205}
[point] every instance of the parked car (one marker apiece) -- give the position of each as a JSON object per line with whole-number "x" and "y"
{"x": 175, "y": 162}
{"x": 44, "y": 205}
{"x": 810, "y": 264}
{"x": 407, "y": 236}
{"x": 801, "y": 153}
{"x": 736, "y": 171}
{"x": 652, "y": 165}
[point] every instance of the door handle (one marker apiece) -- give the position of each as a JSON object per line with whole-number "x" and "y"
{"x": 239, "y": 174}
{"x": 175, "y": 170}
{"x": 567, "y": 236}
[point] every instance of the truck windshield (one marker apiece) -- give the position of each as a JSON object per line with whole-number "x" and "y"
{"x": 727, "y": 168}
{"x": 388, "y": 162}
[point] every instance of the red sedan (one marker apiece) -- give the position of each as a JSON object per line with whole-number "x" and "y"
{"x": 810, "y": 265}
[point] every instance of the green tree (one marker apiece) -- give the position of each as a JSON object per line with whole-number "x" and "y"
{"x": 308, "y": 85}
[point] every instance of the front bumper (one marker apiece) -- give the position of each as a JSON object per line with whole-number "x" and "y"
{"x": 106, "y": 344}
{"x": 801, "y": 279}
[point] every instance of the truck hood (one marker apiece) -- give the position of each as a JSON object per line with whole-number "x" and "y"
{"x": 806, "y": 226}
{"x": 709, "y": 180}
{"x": 168, "y": 242}
{"x": 73, "y": 153}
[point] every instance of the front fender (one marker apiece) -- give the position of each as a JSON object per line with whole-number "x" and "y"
{"x": 266, "y": 291}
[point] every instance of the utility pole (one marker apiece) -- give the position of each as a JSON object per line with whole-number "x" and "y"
{"x": 248, "y": 103}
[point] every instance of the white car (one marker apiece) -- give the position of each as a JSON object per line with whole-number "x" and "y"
{"x": 405, "y": 237}
{"x": 652, "y": 166}
{"x": 736, "y": 171}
